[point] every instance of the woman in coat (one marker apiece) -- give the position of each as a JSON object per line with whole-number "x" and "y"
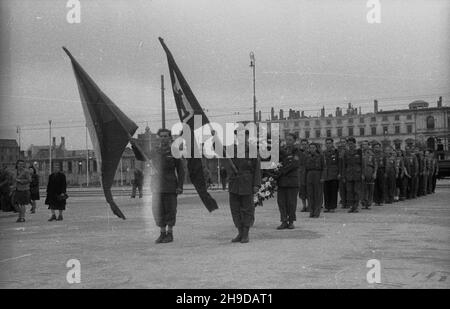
{"x": 56, "y": 194}
{"x": 34, "y": 189}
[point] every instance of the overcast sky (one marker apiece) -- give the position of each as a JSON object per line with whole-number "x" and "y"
{"x": 309, "y": 54}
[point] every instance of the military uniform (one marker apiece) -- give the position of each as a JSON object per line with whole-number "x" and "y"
{"x": 410, "y": 178}
{"x": 426, "y": 172}
{"x": 302, "y": 174}
{"x": 399, "y": 172}
{"x": 288, "y": 184}
{"x": 370, "y": 167}
{"x": 378, "y": 194}
{"x": 240, "y": 188}
{"x": 331, "y": 182}
{"x": 390, "y": 177}
{"x": 435, "y": 174}
{"x": 314, "y": 187}
{"x": 342, "y": 187}
{"x": 168, "y": 176}
{"x": 420, "y": 176}
{"x": 431, "y": 166}
{"x": 352, "y": 175}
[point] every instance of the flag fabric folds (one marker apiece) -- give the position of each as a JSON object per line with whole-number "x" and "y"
{"x": 109, "y": 128}
{"x": 187, "y": 107}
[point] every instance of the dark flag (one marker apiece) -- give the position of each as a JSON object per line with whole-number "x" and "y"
{"x": 188, "y": 106}
{"x": 109, "y": 128}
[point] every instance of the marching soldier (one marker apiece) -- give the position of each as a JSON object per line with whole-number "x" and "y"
{"x": 244, "y": 181}
{"x": 411, "y": 169}
{"x": 390, "y": 175}
{"x": 370, "y": 174}
{"x": 331, "y": 176}
{"x": 342, "y": 147}
{"x": 314, "y": 180}
{"x": 302, "y": 174}
{"x": 288, "y": 183}
{"x": 353, "y": 174}
{"x": 380, "y": 159}
{"x": 166, "y": 184}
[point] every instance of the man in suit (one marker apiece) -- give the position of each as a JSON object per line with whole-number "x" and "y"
{"x": 288, "y": 183}
{"x": 166, "y": 184}
{"x": 331, "y": 175}
{"x": 243, "y": 183}
{"x": 138, "y": 182}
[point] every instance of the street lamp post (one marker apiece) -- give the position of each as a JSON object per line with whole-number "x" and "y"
{"x": 50, "y": 146}
{"x": 253, "y": 66}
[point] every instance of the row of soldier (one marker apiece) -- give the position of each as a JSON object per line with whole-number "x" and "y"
{"x": 361, "y": 176}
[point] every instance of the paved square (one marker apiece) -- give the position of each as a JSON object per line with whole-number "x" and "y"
{"x": 410, "y": 239}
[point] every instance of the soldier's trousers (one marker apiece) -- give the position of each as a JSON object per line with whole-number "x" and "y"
{"x": 425, "y": 185}
{"x": 420, "y": 185}
{"x": 287, "y": 203}
{"x": 389, "y": 187}
{"x": 242, "y": 210}
{"x": 314, "y": 191}
{"x": 430, "y": 184}
{"x": 368, "y": 187}
{"x": 136, "y": 186}
{"x": 433, "y": 187}
{"x": 343, "y": 193}
{"x": 407, "y": 186}
{"x": 164, "y": 208}
{"x": 330, "y": 192}
{"x": 401, "y": 188}
{"x": 414, "y": 186}
{"x": 378, "y": 192}
{"x": 353, "y": 193}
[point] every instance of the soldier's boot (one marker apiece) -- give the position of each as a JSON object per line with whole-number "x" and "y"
{"x": 160, "y": 238}
{"x": 283, "y": 226}
{"x": 238, "y": 236}
{"x": 168, "y": 238}
{"x": 244, "y": 238}
{"x": 52, "y": 218}
{"x": 291, "y": 226}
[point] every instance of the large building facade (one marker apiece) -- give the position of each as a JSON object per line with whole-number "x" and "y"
{"x": 420, "y": 123}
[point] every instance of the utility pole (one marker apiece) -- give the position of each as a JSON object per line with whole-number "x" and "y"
{"x": 163, "y": 108}
{"x": 87, "y": 158}
{"x": 253, "y": 66}
{"x": 18, "y": 132}
{"x": 50, "y": 146}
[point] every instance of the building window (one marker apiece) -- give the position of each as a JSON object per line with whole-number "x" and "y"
{"x": 397, "y": 117}
{"x": 385, "y": 130}
{"x": 317, "y": 122}
{"x": 286, "y": 124}
{"x": 306, "y": 134}
{"x": 317, "y": 133}
{"x": 361, "y": 132}
{"x": 361, "y": 120}
{"x": 409, "y": 128}
{"x": 69, "y": 167}
{"x": 296, "y": 124}
{"x": 328, "y": 133}
{"x": 350, "y": 131}
{"x": 397, "y": 129}
{"x": 350, "y": 120}
{"x": 373, "y": 119}
{"x": 430, "y": 122}
{"x": 339, "y": 121}
{"x": 374, "y": 130}
{"x": 385, "y": 118}
{"x": 306, "y": 123}
{"x": 328, "y": 122}
{"x": 409, "y": 117}
{"x": 339, "y": 132}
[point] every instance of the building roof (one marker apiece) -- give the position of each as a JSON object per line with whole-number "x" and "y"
{"x": 8, "y": 143}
